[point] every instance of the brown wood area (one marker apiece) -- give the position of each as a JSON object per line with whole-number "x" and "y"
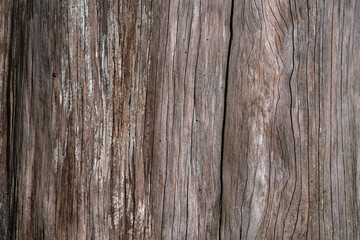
{"x": 179, "y": 119}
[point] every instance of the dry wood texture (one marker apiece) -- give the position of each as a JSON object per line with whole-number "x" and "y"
{"x": 179, "y": 119}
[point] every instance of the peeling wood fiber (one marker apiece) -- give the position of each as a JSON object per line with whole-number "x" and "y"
{"x": 179, "y": 119}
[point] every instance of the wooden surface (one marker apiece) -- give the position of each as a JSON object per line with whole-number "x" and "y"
{"x": 181, "y": 119}
{"x": 291, "y": 144}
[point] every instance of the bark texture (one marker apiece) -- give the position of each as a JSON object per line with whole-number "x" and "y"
{"x": 179, "y": 119}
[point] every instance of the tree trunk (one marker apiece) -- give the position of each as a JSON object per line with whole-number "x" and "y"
{"x": 180, "y": 119}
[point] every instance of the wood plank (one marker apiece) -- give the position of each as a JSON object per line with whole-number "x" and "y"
{"x": 117, "y": 119}
{"x": 291, "y": 162}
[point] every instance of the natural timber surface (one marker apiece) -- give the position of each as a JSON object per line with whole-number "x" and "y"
{"x": 179, "y": 119}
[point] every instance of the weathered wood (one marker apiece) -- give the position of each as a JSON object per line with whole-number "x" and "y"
{"x": 188, "y": 91}
{"x": 180, "y": 119}
{"x": 5, "y": 46}
{"x": 114, "y": 104}
{"x": 291, "y": 145}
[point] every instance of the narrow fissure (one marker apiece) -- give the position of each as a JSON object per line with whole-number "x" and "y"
{"x": 224, "y": 115}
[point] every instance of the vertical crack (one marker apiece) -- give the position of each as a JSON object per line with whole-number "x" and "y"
{"x": 224, "y": 114}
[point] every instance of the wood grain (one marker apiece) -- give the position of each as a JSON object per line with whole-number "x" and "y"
{"x": 112, "y": 107}
{"x": 291, "y": 145}
{"x": 5, "y": 46}
{"x": 181, "y": 119}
